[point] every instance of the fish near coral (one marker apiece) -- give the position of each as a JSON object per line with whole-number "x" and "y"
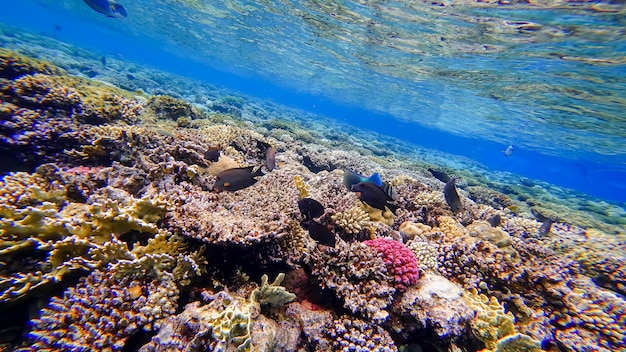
{"x": 351, "y": 178}
{"x": 110, "y": 8}
{"x": 319, "y": 232}
{"x": 212, "y": 154}
{"x": 440, "y": 175}
{"x": 310, "y": 208}
{"x": 452, "y": 196}
{"x": 270, "y": 158}
{"x": 374, "y": 196}
{"x": 237, "y": 178}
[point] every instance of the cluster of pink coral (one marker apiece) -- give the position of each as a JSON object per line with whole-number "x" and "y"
{"x": 400, "y": 261}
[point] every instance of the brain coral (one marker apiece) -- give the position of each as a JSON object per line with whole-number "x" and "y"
{"x": 400, "y": 261}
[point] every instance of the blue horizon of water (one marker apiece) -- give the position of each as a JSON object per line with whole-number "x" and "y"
{"x": 602, "y": 180}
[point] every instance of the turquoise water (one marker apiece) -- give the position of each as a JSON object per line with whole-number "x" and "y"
{"x": 467, "y": 79}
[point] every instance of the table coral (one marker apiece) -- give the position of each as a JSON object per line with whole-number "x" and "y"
{"x": 358, "y": 276}
{"x": 259, "y": 213}
{"x": 102, "y": 312}
{"x": 400, "y": 261}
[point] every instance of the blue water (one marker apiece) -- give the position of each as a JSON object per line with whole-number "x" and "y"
{"x": 446, "y": 97}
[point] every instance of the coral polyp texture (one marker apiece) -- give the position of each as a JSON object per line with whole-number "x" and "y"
{"x": 400, "y": 261}
{"x": 114, "y": 235}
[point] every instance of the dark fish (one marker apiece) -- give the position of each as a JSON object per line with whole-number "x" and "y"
{"x": 495, "y": 220}
{"x": 319, "y": 233}
{"x": 103, "y": 60}
{"x": 351, "y": 178}
{"x": 452, "y": 196}
{"x": 440, "y": 175}
{"x": 310, "y": 208}
{"x": 270, "y": 158}
{"x": 110, "y": 8}
{"x": 213, "y": 154}
{"x": 546, "y": 226}
{"x": 237, "y": 178}
{"x": 374, "y": 196}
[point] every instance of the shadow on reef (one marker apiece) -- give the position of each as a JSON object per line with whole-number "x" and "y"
{"x": 120, "y": 228}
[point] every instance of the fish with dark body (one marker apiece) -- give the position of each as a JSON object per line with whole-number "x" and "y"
{"x": 440, "y": 175}
{"x": 270, "y": 158}
{"x": 351, "y": 178}
{"x": 237, "y": 178}
{"x": 374, "y": 196}
{"x": 319, "y": 232}
{"x": 495, "y": 220}
{"x": 310, "y": 208}
{"x": 452, "y": 196}
{"x": 109, "y": 8}
{"x": 212, "y": 154}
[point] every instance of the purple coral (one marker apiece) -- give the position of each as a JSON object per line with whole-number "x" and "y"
{"x": 400, "y": 261}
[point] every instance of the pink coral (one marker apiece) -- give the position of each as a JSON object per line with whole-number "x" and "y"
{"x": 399, "y": 260}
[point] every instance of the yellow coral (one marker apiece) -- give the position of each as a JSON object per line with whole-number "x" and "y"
{"x": 410, "y": 229}
{"x": 495, "y": 327}
{"x": 301, "y": 186}
{"x": 450, "y": 226}
{"x": 377, "y": 215}
{"x": 353, "y": 220}
{"x": 272, "y": 294}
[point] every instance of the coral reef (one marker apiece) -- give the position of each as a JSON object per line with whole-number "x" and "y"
{"x": 117, "y": 229}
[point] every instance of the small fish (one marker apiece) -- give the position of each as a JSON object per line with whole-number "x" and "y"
{"x": 103, "y": 60}
{"x": 495, "y": 220}
{"x": 546, "y": 226}
{"x": 374, "y": 196}
{"x": 319, "y": 232}
{"x": 508, "y": 151}
{"x": 310, "y": 208}
{"x": 110, "y": 8}
{"x": 237, "y": 178}
{"x": 452, "y": 196}
{"x": 440, "y": 175}
{"x": 213, "y": 154}
{"x": 270, "y": 158}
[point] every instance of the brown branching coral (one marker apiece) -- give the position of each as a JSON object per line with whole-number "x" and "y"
{"x": 101, "y": 312}
{"x": 358, "y": 276}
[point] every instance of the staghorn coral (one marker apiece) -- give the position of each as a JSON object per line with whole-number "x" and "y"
{"x": 400, "y": 261}
{"x": 353, "y": 220}
{"x": 102, "y": 312}
{"x": 352, "y": 334}
{"x": 357, "y": 275}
